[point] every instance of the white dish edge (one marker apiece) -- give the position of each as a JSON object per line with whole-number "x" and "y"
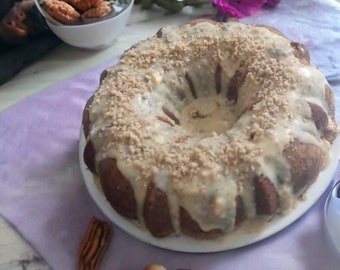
{"x": 187, "y": 244}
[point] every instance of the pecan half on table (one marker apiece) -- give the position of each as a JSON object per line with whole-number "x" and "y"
{"x": 94, "y": 244}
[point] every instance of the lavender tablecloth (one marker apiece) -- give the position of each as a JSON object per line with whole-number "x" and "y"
{"x": 43, "y": 196}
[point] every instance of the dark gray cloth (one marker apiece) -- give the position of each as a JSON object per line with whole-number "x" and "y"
{"x": 24, "y": 38}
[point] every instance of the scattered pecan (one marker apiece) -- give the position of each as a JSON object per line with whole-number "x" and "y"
{"x": 101, "y": 10}
{"x": 159, "y": 267}
{"x": 83, "y": 5}
{"x": 154, "y": 267}
{"x": 76, "y": 11}
{"x": 62, "y": 11}
{"x": 94, "y": 244}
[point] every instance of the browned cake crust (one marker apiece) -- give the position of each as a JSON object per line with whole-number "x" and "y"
{"x": 117, "y": 189}
{"x": 175, "y": 177}
{"x": 156, "y": 212}
{"x": 190, "y": 227}
{"x": 305, "y": 162}
{"x": 266, "y": 198}
{"x": 89, "y": 157}
{"x": 86, "y": 122}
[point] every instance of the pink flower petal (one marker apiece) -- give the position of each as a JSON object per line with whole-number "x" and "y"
{"x": 242, "y": 8}
{"x": 272, "y": 3}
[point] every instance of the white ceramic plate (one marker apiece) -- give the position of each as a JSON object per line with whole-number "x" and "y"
{"x": 236, "y": 240}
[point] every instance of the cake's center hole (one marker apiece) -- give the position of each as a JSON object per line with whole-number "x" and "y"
{"x": 204, "y": 116}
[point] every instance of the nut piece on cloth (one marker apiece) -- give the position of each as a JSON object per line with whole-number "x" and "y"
{"x": 157, "y": 267}
{"x": 154, "y": 267}
{"x": 94, "y": 244}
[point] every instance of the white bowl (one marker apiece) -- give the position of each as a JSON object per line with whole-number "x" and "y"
{"x": 93, "y": 35}
{"x": 332, "y": 217}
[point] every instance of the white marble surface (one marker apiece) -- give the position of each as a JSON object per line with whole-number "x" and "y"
{"x": 62, "y": 63}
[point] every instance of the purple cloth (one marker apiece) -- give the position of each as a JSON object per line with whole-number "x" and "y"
{"x": 42, "y": 193}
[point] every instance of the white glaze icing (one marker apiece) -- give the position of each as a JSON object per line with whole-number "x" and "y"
{"x": 206, "y": 161}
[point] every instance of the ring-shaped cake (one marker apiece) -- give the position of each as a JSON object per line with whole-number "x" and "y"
{"x": 208, "y": 125}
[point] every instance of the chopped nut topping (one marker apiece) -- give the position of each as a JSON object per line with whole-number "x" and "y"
{"x": 178, "y": 68}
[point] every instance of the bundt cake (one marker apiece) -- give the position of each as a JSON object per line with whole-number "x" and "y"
{"x": 206, "y": 125}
